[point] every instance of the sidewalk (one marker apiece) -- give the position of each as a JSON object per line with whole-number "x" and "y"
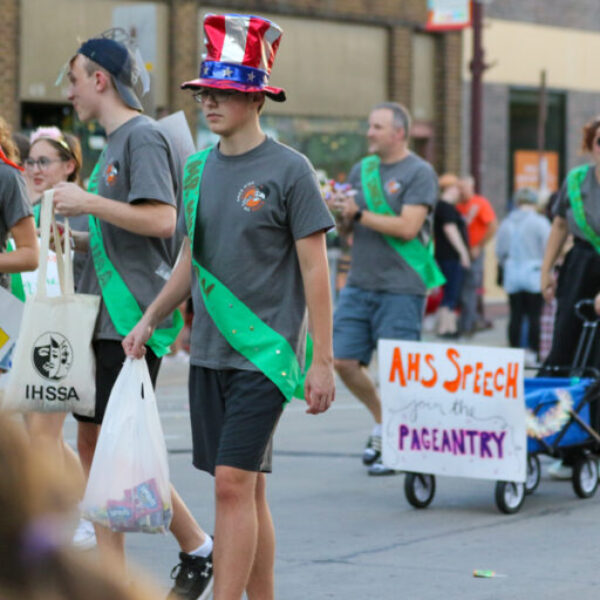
{"x": 497, "y": 313}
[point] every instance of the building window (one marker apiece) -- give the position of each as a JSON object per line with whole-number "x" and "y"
{"x": 332, "y": 144}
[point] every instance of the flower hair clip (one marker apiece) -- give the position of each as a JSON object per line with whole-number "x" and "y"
{"x": 49, "y": 133}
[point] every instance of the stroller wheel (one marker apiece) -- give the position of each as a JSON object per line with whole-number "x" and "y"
{"x": 509, "y": 496}
{"x": 419, "y": 489}
{"x": 533, "y": 474}
{"x": 585, "y": 477}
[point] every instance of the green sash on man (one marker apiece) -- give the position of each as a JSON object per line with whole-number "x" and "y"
{"x": 417, "y": 256}
{"x": 243, "y": 329}
{"x": 120, "y": 303}
{"x": 574, "y": 180}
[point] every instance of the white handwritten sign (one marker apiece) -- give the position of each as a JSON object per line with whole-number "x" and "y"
{"x": 453, "y": 410}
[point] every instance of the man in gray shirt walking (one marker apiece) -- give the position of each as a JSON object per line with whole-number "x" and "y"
{"x": 390, "y": 210}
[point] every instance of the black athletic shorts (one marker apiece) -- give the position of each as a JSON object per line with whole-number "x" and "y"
{"x": 110, "y": 357}
{"x": 234, "y": 414}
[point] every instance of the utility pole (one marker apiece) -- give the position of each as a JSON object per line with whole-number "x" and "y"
{"x": 477, "y": 67}
{"x": 541, "y": 135}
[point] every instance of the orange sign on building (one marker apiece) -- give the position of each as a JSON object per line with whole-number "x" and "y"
{"x": 527, "y": 170}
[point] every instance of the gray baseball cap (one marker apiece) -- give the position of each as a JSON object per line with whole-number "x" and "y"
{"x": 118, "y": 60}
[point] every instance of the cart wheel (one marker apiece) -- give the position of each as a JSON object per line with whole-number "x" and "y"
{"x": 509, "y": 496}
{"x": 533, "y": 474}
{"x": 419, "y": 489}
{"x": 585, "y": 477}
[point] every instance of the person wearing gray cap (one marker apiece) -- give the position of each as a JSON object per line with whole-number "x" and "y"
{"x": 520, "y": 245}
{"x": 131, "y": 249}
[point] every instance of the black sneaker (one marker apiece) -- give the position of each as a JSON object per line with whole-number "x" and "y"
{"x": 193, "y": 578}
{"x": 372, "y": 450}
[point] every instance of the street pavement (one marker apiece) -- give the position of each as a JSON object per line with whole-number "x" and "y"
{"x": 342, "y": 534}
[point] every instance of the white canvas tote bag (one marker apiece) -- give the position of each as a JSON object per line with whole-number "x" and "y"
{"x": 53, "y": 363}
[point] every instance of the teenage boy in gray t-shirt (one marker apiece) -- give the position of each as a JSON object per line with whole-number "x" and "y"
{"x": 132, "y": 206}
{"x": 254, "y": 258}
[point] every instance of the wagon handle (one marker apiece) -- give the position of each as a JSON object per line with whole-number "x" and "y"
{"x": 583, "y": 314}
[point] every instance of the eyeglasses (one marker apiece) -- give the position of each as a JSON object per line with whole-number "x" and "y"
{"x": 43, "y": 162}
{"x": 218, "y": 97}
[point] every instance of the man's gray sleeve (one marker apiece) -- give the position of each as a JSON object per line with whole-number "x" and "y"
{"x": 307, "y": 212}
{"x": 422, "y": 188}
{"x": 150, "y": 173}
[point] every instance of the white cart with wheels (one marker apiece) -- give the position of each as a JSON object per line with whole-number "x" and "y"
{"x": 456, "y": 411}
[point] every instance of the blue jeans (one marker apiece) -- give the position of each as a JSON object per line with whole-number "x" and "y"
{"x": 363, "y": 317}
{"x": 454, "y": 273}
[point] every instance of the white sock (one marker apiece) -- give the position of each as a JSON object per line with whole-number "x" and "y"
{"x": 377, "y": 430}
{"x": 205, "y": 549}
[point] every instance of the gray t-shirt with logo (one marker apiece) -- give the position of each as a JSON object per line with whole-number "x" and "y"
{"x": 252, "y": 209}
{"x": 14, "y": 206}
{"x": 376, "y": 266}
{"x": 590, "y": 196}
{"x": 138, "y": 164}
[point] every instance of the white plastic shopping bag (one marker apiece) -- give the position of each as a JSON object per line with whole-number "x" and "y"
{"x": 128, "y": 488}
{"x": 53, "y": 366}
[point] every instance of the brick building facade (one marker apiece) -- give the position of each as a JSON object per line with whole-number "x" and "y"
{"x": 517, "y": 33}
{"x": 400, "y": 20}
{"x": 9, "y": 61}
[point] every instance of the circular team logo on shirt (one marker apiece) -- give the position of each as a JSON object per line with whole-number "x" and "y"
{"x": 111, "y": 173}
{"x": 252, "y": 197}
{"x": 392, "y": 186}
{"x": 52, "y": 356}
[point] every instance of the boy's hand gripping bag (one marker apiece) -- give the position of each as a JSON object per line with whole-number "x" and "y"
{"x": 128, "y": 488}
{"x": 53, "y": 368}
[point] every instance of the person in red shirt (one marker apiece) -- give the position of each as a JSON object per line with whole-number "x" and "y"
{"x": 481, "y": 225}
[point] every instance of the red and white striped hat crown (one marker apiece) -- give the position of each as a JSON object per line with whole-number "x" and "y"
{"x": 239, "y": 54}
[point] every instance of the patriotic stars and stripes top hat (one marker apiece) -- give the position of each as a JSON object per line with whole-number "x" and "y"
{"x": 239, "y": 54}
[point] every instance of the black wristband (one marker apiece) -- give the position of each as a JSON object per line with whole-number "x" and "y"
{"x": 357, "y": 215}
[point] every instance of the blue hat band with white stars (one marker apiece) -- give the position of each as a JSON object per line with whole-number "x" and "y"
{"x": 230, "y": 72}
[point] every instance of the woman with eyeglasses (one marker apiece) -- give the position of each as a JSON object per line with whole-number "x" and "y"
{"x": 55, "y": 156}
{"x": 577, "y": 213}
{"x": 15, "y": 213}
